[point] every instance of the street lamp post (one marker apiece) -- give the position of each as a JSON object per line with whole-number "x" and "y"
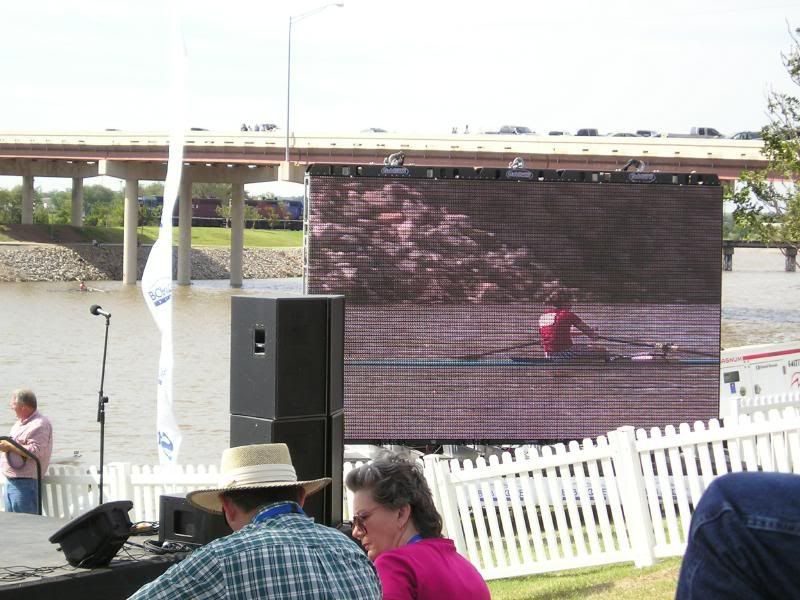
{"x": 293, "y": 20}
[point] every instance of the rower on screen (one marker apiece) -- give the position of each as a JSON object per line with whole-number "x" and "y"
{"x": 555, "y": 329}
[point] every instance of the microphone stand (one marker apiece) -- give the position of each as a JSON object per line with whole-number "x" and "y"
{"x": 102, "y": 400}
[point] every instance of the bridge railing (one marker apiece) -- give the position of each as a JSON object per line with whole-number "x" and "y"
{"x": 788, "y": 249}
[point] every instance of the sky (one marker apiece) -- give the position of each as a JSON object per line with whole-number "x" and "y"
{"x": 414, "y": 67}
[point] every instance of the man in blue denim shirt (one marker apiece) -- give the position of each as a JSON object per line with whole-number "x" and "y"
{"x": 744, "y": 540}
{"x": 276, "y": 551}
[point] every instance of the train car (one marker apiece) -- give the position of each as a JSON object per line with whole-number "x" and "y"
{"x": 275, "y": 213}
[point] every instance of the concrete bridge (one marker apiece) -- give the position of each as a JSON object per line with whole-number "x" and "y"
{"x": 239, "y": 158}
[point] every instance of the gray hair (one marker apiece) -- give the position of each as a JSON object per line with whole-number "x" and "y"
{"x": 26, "y": 397}
{"x": 393, "y": 481}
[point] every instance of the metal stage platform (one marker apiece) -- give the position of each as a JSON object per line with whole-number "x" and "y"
{"x": 33, "y": 568}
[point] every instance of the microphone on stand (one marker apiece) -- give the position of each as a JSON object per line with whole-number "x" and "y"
{"x": 97, "y": 310}
{"x": 102, "y": 399}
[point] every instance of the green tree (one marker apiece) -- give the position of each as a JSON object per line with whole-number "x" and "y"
{"x": 108, "y": 214}
{"x": 11, "y": 205}
{"x": 150, "y": 215}
{"x": 251, "y": 214}
{"x": 60, "y": 207}
{"x": 224, "y": 212}
{"x": 271, "y": 216}
{"x": 770, "y": 212}
{"x": 103, "y": 207}
{"x": 154, "y": 188}
{"x": 211, "y": 190}
{"x": 283, "y": 213}
{"x": 98, "y": 194}
{"x": 41, "y": 214}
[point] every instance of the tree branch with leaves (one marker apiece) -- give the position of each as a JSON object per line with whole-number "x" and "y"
{"x": 768, "y": 201}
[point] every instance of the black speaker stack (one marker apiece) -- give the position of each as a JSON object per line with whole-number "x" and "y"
{"x": 287, "y": 357}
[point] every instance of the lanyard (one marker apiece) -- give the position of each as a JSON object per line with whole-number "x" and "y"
{"x": 280, "y": 509}
{"x": 414, "y": 539}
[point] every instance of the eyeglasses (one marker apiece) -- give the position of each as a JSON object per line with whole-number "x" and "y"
{"x": 360, "y": 520}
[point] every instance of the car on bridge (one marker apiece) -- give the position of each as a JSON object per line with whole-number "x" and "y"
{"x": 747, "y": 135}
{"x": 587, "y": 131}
{"x": 513, "y": 130}
{"x": 698, "y": 132}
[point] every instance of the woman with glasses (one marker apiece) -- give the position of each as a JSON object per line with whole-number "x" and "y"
{"x": 398, "y": 525}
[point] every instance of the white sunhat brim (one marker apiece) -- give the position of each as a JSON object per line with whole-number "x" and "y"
{"x": 210, "y": 501}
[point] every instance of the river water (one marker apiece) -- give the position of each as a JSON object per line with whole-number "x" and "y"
{"x": 51, "y": 343}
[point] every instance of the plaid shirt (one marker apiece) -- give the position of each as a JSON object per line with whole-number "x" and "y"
{"x": 285, "y": 556}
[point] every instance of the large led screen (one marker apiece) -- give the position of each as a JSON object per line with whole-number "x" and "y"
{"x": 518, "y": 306}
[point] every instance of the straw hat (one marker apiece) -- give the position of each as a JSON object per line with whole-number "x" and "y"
{"x": 253, "y": 467}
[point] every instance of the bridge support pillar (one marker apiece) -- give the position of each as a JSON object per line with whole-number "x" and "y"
{"x": 791, "y": 258}
{"x": 27, "y": 199}
{"x": 727, "y": 258}
{"x": 76, "y": 217}
{"x": 130, "y": 251}
{"x": 185, "y": 233}
{"x": 237, "y": 233}
{"x": 289, "y": 171}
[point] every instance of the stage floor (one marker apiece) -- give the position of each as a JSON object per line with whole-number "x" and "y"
{"x": 31, "y": 564}
{"x": 24, "y": 546}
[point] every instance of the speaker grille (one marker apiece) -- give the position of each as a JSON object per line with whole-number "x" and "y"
{"x": 287, "y": 386}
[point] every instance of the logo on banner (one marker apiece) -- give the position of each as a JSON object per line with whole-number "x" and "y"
{"x": 165, "y": 443}
{"x": 519, "y": 174}
{"x": 160, "y": 292}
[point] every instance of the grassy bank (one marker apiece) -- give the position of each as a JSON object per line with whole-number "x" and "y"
{"x": 616, "y": 582}
{"x": 201, "y": 236}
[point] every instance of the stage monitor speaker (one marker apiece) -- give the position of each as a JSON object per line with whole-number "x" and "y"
{"x": 317, "y": 448}
{"x": 94, "y": 538}
{"x": 287, "y": 356}
{"x": 179, "y": 521}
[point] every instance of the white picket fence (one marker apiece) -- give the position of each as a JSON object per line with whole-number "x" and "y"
{"x": 68, "y": 491}
{"x": 748, "y": 405}
{"x": 624, "y": 497}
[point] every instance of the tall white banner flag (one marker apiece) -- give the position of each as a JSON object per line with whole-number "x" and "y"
{"x": 157, "y": 276}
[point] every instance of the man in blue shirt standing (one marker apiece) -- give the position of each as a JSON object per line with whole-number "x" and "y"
{"x": 276, "y": 551}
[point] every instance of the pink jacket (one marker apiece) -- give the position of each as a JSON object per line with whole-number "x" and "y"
{"x": 35, "y": 434}
{"x": 430, "y": 569}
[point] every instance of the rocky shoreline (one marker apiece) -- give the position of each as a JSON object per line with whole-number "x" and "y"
{"x": 70, "y": 262}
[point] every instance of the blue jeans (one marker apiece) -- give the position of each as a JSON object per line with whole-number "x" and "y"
{"x": 744, "y": 540}
{"x": 22, "y": 496}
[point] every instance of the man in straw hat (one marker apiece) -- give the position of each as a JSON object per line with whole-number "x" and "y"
{"x": 276, "y": 551}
